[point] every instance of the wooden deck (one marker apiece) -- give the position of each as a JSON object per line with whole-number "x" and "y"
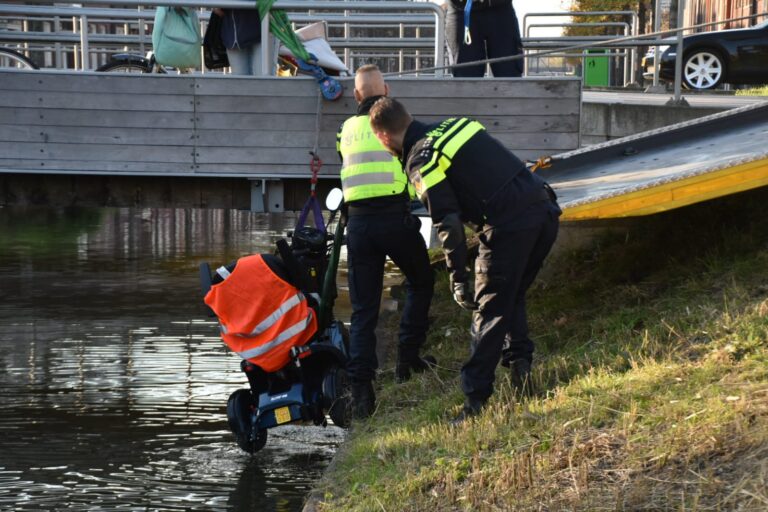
{"x": 222, "y": 126}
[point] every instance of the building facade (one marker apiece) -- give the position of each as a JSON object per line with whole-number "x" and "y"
{"x": 706, "y": 11}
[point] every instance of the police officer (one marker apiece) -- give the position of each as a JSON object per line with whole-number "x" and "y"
{"x": 480, "y": 29}
{"x": 380, "y": 224}
{"x": 464, "y": 175}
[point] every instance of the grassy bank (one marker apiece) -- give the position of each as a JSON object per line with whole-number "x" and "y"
{"x": 652, "y": 379}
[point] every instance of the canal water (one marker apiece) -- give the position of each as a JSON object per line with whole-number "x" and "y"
{"x": 113, "y": 382}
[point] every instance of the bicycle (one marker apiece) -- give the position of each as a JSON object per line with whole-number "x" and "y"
{"x": 132, "y": 63}
{"x": 12, "y": 59}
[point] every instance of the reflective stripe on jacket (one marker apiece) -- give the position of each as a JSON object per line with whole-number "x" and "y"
{"x": 262, "y": 316}
{"x": 444, "y": 141}
{"x": 368, "y": 170}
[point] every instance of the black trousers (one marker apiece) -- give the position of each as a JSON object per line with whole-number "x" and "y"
{"x": 495, "y": 33}
{"x": 507, "y": 263}
{"x": 370, "y": 239}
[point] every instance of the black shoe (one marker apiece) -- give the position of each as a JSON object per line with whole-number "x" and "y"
{"x": 520, "y": 370}
{"x": 471, "y": 409}
{"x": 417, "y": 364}
{"x": 363, "y": 399}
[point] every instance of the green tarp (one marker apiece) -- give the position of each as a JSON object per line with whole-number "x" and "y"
{"x": 280, "y": 26}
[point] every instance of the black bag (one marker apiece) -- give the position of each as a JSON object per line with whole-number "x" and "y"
{"x": 214, "y": 51}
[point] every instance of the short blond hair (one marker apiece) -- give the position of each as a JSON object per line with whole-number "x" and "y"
{"x": 369, "y": 82}
{"x": 367, "y": 68}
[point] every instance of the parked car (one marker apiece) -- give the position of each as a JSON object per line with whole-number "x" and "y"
{"x": 737, "y": 56}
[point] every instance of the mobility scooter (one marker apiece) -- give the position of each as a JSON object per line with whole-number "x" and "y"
{"x": 294, "y": 356}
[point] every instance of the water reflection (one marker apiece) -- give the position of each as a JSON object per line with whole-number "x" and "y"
{"x": 114, "y": 383}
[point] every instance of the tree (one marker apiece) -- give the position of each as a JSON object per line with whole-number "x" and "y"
{"x": 643, "y": 8}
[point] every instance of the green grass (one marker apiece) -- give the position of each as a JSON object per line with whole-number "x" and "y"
{"x": 756, "y": 91}
{"x": 652, "y": 378}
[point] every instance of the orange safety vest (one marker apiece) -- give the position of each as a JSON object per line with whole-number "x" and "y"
{"x": 261, "y": 315}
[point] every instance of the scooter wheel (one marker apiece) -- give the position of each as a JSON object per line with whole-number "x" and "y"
{"x": 240, "y": 408}
{"x": 253, "y": 445}
{"x": 338, "y": 397}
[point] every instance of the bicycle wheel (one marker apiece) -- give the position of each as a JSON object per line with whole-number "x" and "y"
{"x": 13, "y": 59}
{"x": 127, "y": 65}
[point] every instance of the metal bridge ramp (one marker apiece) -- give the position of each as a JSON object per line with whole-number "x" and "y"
{"x": 663, "y": 169}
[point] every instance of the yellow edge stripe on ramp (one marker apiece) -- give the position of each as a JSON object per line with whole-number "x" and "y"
{"x": 669, "y": 196}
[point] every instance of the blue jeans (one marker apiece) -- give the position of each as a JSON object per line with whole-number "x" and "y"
{"x": 370, "y": 239}
{"x": 247, "y": 61}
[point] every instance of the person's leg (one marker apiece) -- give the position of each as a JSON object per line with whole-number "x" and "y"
{"x": 503, "y": 39}
{"x": 517, "y": 353}
{"x": 407, "y": 249}
{"x": 256, "y": 57}
{"x": 366, "y": 271}
{"x": 460, "y": 52}
{"x": 239, "y": 61}
{"x": 496, "y": 280}
{"x": 519, "y": 345}
{"x": 453, "y": 32}
{"x": 499, "y": 274}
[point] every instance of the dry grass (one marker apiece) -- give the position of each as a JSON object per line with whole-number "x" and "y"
{"x": 652, "y": 371}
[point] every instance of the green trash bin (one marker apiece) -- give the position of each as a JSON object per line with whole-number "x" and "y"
{"x": 596, "y": 69}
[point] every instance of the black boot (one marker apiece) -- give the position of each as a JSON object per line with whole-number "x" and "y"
{"x": 471, "y": 408}
{"x": 408, "y": 362}
{"x": 520, "y": 370}
{"x": 363, "y": 399}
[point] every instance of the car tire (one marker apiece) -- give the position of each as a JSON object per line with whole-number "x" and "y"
{"x": 703, "y": 70}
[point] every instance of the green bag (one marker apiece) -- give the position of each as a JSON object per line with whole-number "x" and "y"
{"x": 176, "y": 37}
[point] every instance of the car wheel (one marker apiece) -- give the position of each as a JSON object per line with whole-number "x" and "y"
{"x": 703, "y": 70}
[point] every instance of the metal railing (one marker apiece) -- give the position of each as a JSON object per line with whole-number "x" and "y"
{"x": 342, "y": 16}
{"x": 613, "y": 53}
{"x": 417, "y": 28}
{"x": 630, "y": 28}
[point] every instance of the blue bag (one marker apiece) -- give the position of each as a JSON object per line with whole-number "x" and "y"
{"x": 176, "y": 37}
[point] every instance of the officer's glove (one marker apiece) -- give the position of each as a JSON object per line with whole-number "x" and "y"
{"x": 461, "y": 296}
